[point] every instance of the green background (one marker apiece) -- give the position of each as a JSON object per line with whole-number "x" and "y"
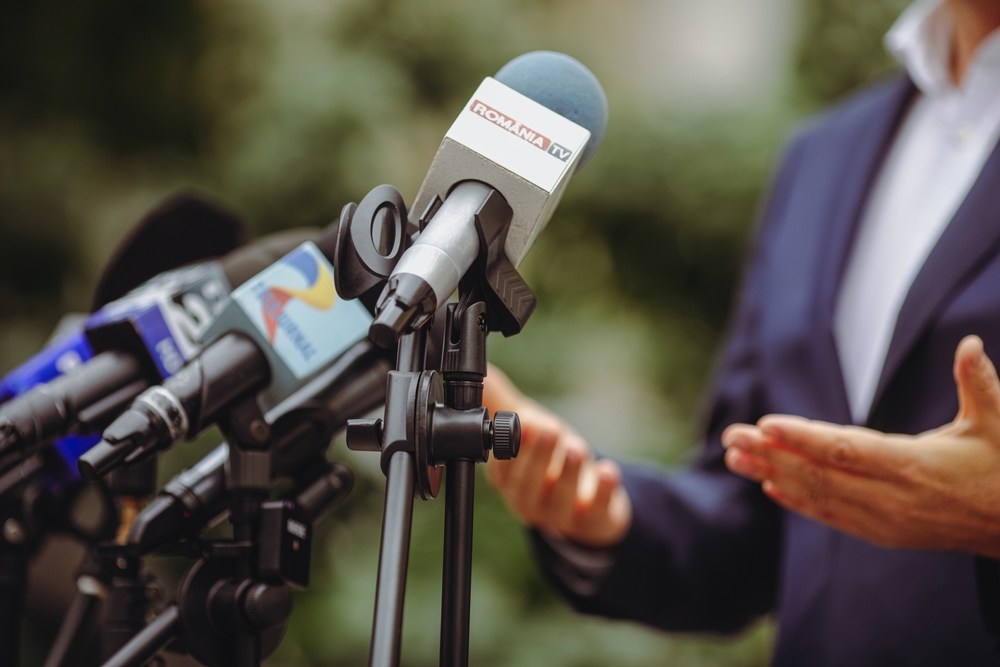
{"x": 283, "y": 112}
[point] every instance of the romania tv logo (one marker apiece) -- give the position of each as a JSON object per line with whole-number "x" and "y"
{"x": 318, "y": 294}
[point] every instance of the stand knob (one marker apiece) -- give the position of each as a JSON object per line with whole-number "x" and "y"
{"x": 506, "y": 435}
{"x": 267, "y": 606}
{"x": 364, "y": 435}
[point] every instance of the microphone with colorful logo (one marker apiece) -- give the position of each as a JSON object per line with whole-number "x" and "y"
{"x": 281, "y": 330}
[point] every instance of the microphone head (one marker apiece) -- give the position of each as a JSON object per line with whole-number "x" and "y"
{"x": 183, "y": 229}
{"x": 564, "y": 85}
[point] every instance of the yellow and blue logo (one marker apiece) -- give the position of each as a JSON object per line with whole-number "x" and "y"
{"x": 294, "y": 306}
{"x": 319, "y": 293}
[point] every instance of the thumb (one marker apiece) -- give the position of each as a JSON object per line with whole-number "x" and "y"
{"x": 978, "y": 385}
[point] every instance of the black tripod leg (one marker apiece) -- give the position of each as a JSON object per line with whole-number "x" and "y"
{"x": 73, "y": 632}
{"x": 394, "y": 554}
{"x": 126, "y": 605}
{"x": 456, "y": 583}
{"x": 13, "y": 574}
{"x": 149, "y": 641}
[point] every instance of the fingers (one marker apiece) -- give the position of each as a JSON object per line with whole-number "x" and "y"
{"x": 558, "y": 504}
{"x": 864, "y": 506}
{"x": 851, "y": 448}
{"x": 525, "y": 483}
{"x": 829, "y": 470}
{"x": 822, "y": 486}
{"x": 838, "y": 513}
{"x": 751, "y": 467}
{"x": 978, "y": 385}
{"x": 594, "y": 504}
{"x": 609, "y": 476}
{"x": 554, "y": 483}
{"x": 603, "y": 516}
{"x": 739, "y": 439}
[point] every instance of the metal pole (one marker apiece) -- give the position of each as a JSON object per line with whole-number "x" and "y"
{"x": 244, "y": 514}
{"x": 13, "y": 573}
{"x": 149, "y": 641}
{"x": 456, "y": 583}
{"x": 393, "y": 558}
{"x": 74, "y": 630}
{"x": 397, "y": 521}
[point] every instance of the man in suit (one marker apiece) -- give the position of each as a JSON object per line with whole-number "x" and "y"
{"x": 878, "y": 253}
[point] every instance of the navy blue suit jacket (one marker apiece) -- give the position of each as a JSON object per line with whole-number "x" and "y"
{"x": 707, "y": 551}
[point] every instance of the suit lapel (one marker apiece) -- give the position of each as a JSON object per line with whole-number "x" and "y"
{"x": 971, "y": 239}
{"x": 861, "y": 146}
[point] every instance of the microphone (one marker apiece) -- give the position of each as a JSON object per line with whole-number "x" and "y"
{"x": 124, "y": 347}
{"x": 182, "y": 230}
{"x": 279, "y": 342}
{"x": 522, "y": 135}
{"x": 352, "y": 386}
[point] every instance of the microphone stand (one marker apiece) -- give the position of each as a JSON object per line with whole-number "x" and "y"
{"x": 30, "y": 509}
{"x": 111, "y": 573}
{"x": 397, "y": 519}
{"x": 93, "y": 581}
{"x": 428, "y": 426}
{"x": 14, "y": 553}
{"x": 127, "y": 605}
{"x": 217, "y": 608}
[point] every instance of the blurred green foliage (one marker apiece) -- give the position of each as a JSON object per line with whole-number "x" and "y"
{"x": 841, "y": 48}
{"x": 284, "y": 112}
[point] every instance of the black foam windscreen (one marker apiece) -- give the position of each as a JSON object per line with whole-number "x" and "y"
{"x": 184, "y": 229}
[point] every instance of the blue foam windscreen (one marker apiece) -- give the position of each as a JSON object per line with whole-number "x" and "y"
{"x": 564, "y": 85}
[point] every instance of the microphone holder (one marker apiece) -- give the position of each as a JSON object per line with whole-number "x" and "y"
{"x": 429, "y": 426}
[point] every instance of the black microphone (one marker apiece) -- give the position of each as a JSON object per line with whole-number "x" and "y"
{"x": 183, "y": 406}
{"x": 354, "y": 385}
{"x": 522, "y": 135}
{"x": 138, "y": 339}
{"x": 182, "y": 230}
{"x": 277, "y": 342}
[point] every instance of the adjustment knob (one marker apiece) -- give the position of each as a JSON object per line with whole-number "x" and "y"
{"x": 267, "y": 606}
{"x": 506, "y": 435}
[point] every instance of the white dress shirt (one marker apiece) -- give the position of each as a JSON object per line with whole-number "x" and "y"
{"x": 941, "y": 146}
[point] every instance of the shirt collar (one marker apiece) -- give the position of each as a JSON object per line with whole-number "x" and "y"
{"x": 920, "y": 41}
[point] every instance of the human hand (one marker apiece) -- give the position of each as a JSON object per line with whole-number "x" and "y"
{"x": 555, "y": 483}
{"x": 939, "y": 490}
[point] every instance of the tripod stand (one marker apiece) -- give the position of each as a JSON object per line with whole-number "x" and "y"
{"x": 37, "y": 500}
{"x": 428, "y": 425}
